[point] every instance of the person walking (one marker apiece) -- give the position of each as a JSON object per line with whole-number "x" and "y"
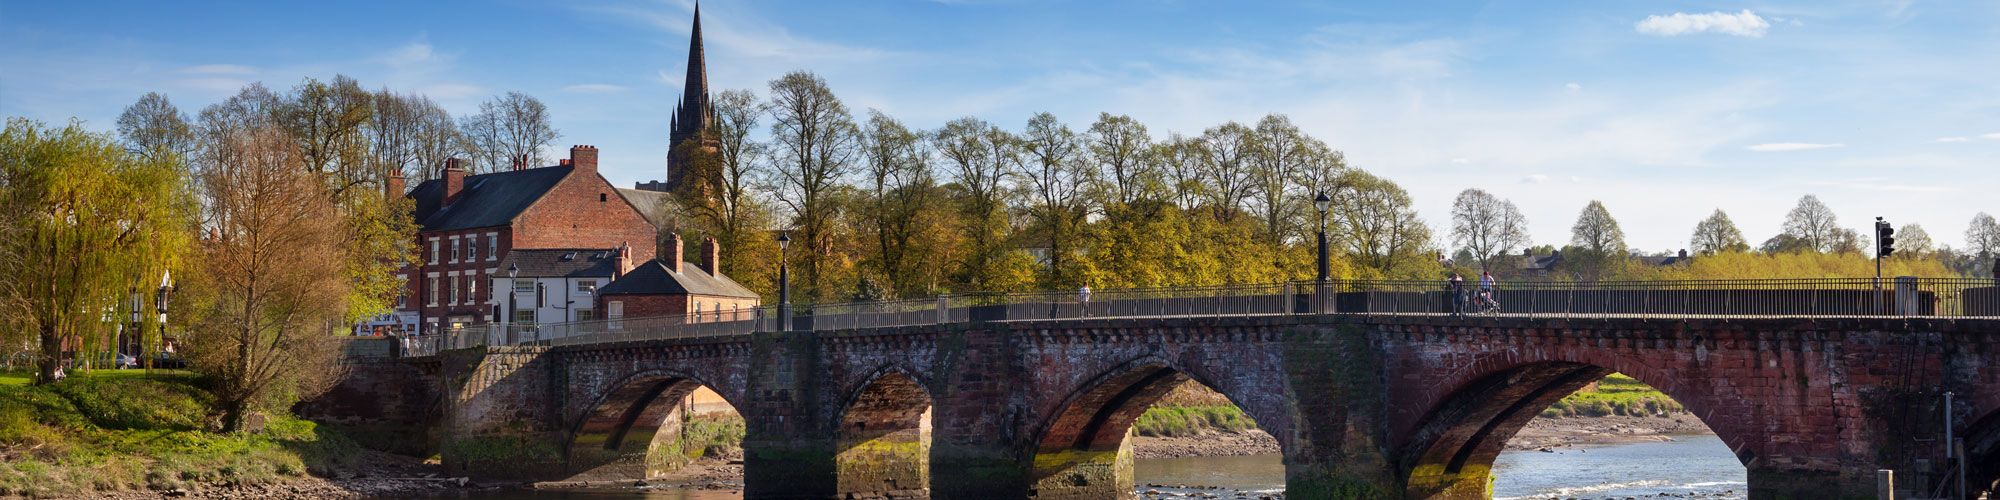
{"x": 1083, "y": 301}
{"x": 1456, "y": 287}
{"x": 1486, "y": 283}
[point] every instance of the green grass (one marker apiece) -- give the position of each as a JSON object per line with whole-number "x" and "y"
{"x": 121, "y": 430}
{"x": 1171, "y": 420}
{"x": 1617, "y": 394}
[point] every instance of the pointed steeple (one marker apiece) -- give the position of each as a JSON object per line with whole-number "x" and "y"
{"x": 694, "y": 114}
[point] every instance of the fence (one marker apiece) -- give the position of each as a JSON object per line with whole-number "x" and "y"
{"x": 1899, "y": 297}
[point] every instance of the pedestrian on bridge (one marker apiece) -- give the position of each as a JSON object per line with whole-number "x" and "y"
{"x": 1456, "y": 287}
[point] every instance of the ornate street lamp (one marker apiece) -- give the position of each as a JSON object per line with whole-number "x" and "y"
{"x": 1322, "y": 203}
{"x": 784, "y": 284}
{"x": 513, "y": 299}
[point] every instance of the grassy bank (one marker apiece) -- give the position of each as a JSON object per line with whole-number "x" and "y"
{"x": 1615, "y": 395}
{"x": 121, "y": 430}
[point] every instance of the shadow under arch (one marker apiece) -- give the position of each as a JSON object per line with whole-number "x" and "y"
{"x": 1982, "y": 456}
{"x": 634, "y": 430}
{"x": 1451, "y": 453}
{"x": 1081, "y": 450}
{"x": 884, "y": 440}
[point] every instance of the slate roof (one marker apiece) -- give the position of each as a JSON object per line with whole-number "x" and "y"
{"x": 562, "y": 262}
{"x": 653, "y": 278}
{"x": 651, "y": 204}
{"x": 488, "y": 200}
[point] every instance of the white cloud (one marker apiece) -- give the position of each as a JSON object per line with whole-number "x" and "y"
{"x": 1993, "y": 136}
{"x": 594, "y": 88}
{"x": 220, "y": 69}
{"x": 1951, "y": 139}
{"x": 1535, "y": 179}
{"x": 1461, "y": 161}
{"x": 1776, "y": 147}
{"x": 1745, "y": 24}
{"x": 1573, "y": 87}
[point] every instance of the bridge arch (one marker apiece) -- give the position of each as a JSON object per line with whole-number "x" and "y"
{"x": 883, "y": 442}
{"x": 1080, "y": 449}
{"x": 1982, "y": 450}
{"x": 1449, "y": 452}
{"x": 634, "y": 429}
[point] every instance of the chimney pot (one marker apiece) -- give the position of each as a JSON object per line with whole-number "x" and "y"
{"x": 393, "y": 188}
{"x": 711, "y": 256}
{"x": 454, "y": 180}
{"x": 672, "y": 254}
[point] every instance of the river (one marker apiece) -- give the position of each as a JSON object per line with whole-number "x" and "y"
{"x": 1697, "y": 466}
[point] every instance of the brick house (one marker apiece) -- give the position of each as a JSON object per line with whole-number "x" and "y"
{"x": 469, "y": 224}
{"x": 670, "y": 286}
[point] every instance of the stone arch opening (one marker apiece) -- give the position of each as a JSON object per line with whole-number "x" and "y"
{"x": 1982, "y": 453}
{"x": 884, "y": 440}
{"x": 650, "y": 426}
{"x": 1085, "y": 450}
{"x": 1456, "y": 447}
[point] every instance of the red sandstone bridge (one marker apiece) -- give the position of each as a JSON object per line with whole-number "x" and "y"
{"x": 1372, "y": 389}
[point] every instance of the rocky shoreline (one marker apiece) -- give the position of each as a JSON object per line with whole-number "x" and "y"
{"x": 1209, "y": 444}
{"x": 1548, "y": 434}
{"x": 378, "y": 475}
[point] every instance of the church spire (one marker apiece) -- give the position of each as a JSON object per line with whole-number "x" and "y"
{"x": 697, "y": 70}
{"x": 695, "y": 113}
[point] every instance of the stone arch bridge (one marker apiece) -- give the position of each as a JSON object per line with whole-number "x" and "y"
{"x": 1364, "y": 406}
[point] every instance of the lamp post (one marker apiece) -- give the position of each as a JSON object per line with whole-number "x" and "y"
{"x": 1321, "y": 203}
{"x": 784, "y": 285}
{"x": 160, "y": 301}
{"x": 513, "y": 298}
{"x": 130, "y": 337}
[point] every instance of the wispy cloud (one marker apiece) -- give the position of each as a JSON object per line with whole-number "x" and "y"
{"x": 1993, "y": 136}
{"x": 594, "y": 88}
{"x": 1744, "y": 24}
{"x": 1779, "y": 147}
{"x": 1951, "y": 139}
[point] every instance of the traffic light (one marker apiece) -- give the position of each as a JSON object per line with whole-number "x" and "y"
{"x": 1885, "y": 241}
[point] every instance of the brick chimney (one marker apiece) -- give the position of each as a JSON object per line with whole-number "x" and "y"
{"x": 393, "y": 187}
{"x": 583, "y": 157}
{"x": 671, "y": 253}
{"x": 520, "y": 162}
{"x": 454, "y": 180}
{"x": 625, "y": 263}
{"x": 711, "y": 256}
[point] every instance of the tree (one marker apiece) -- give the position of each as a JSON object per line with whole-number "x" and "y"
{"x": 1982, "y": 238}
{"x": 81, "y": 221}
{"x": 153, "y": 126}
{"x": 1597, "y": 231}
{"x": 1814, "y": 225}
{"x": 900, "y": 184}
{"x": 982, "y": 157}
{"x": 1376, "y": 222}
{"x": 1180, "y": 160}
{"x": 1119, "y": 144}
{"x": 1054, "y": 178}
{"x": 816, "y": 142}
{"x": 727, "y": 206}
{"x": 1224, "y": 167}
{"x": 1486, "y": 226}
{"x": 1914, "y": 242}
{"x": 1280, "y": 153}
{"x": 272, "y": 278}
{"x": 508, "y": 128}
{"x": 329, "y": 121}
{"x": 1717, "y": 234}
{"x": 434, "y": 137}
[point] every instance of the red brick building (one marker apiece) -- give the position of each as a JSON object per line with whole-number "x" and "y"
{"x": 469, "y": 224}
{"x": 670, "y": 286}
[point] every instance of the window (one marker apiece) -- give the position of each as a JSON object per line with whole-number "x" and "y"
{"x": 492, "y": 246}
{"x": 472, "y": 289}
{"x": 524, "y": 286}
{"x": 471, "y": 248}
{"x": 433, "y": 257}
{"x": 432, "y": 283}
{"x": 585, "y": 315}
{"x": 586, "y": 286}
{"x": 601, "y": 197}
{"x": 454, "y": 289}
{"x": 454, "y": 249}
{"x": 524, "y": 316}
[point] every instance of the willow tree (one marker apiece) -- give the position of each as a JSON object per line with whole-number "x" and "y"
{"x": 82, "y": 220}
{"x": 272, "y": 288}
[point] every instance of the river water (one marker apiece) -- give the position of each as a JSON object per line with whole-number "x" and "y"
{"x": 1687, "y": 467}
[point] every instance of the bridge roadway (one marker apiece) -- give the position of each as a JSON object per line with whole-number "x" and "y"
{"x": 1364, "y": 406}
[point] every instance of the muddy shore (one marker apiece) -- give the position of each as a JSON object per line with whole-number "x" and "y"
{"x": 1541, "y": 433}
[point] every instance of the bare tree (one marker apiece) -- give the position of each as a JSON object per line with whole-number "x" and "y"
{"x": 273, "y": 280}
{"x": 982, "y": 157}
{"x": 1717, "y": 234}
{"x": 1375, "y": 220}
{"x": 1913, "y": 241}
{"x": 900, "y": 179}
{"x": 1982, "y": 238}
{"x": 1281, "y": 151}
{"x": 392, "y": 133}
{"x": 1597, "y": 232}
{"x": 1224, "y": 165}
{"x": 1119, "y": 144}
{"x": 1055, "y": 177}
{"x": 507, "y": 127}
{"x": 435, "y": 137}
{"x": 329, "y": 122}
{"x": 1486, "y": 225}
{"x": 1179, "y": 159}
{"x": 153, "y": 126}
{"x": 728, "y": 207}
{"x": 817, "y": 144}
{"x": 1814, "y": 225}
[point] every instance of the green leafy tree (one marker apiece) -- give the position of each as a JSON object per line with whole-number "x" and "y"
{"x": 1597, "y": 246}
{"x": 1486, "y": 226}
{"x": 1054, "y": 177}
{"x": 82, "y": 220}
{"x": 816, "y": 144}
{"x": 1717, "y": 234}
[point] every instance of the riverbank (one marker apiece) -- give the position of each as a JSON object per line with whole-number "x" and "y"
{"x": 1551, "y": 433}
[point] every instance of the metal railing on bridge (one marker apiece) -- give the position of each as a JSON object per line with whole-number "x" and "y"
{"x": 1863, "y": 297}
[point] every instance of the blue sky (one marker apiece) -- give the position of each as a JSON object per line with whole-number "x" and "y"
{"x": 1664, "y": 110}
